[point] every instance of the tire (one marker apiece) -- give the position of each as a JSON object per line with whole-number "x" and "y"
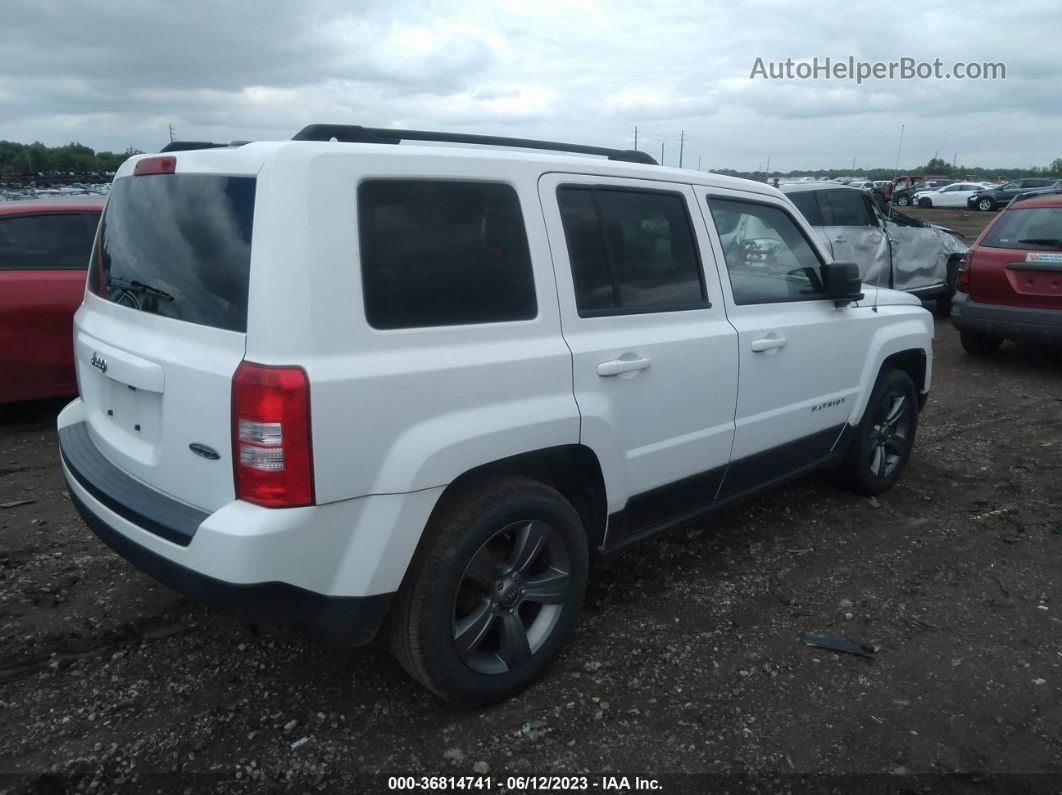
{"x": 944, "y": 303}
{"x": 467, "y": 624}
{"x": 977, "y": 344}
{"x": 903, "y": 201}
{"x": 985, "y": 204}
{"x": 884, "y": 438}
{"x": 925, "y": 204}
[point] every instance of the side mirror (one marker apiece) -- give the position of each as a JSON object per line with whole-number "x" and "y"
{"x": 842, "y": 282}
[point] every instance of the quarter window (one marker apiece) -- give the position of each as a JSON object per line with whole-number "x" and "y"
{"x": 631, "y": 251}
{"x": 442, "y": 253}
{"x": 767, "y": 256}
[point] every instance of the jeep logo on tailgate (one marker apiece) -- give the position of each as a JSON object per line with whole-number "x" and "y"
{"x": 98, "y": 362}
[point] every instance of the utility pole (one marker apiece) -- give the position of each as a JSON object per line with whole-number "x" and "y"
{"x": 698, "y": 162}
{"x": 171, "y": 134}
{"x": 768, "y": 167}
{"x": 636, "y": 137}
{"x": 661, "y": 153}
{"x": 682, "y": 144}
{"x": 853, "y": 165}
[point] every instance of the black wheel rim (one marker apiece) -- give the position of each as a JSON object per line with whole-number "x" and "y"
{"x": 510, "y": 597}
{"x": 890, "y": 433}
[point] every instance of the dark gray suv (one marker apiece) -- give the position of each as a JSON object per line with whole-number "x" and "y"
{"x": 1000, "y": 196}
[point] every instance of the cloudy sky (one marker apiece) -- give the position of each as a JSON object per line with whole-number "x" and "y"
{"x": 113, "y": 74}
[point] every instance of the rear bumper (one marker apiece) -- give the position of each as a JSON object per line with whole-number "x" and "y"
{"x": 326, "y": 571}
{"x": 342, "y": 620}
{"x": 1025, "y": 324}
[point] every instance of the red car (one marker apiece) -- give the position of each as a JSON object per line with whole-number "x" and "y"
{"x": 45, "y": 246}
{"x": 1010, "y": 281}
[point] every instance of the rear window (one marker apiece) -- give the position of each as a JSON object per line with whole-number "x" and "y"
{"x": 1031, "y": 229}
{"x": 178, "y": 245}
{"x": 443, "y": 253}
{"x": 46, "y": 241}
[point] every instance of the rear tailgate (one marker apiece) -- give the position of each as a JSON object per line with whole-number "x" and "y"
{"x": 1019, "y": 260}
{"x": 163, "y": 326}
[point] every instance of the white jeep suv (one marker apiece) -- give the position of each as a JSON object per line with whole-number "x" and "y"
{"x": 342, "y": 385}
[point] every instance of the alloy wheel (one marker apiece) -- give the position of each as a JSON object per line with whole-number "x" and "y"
{"x": 510, "y": 597}
{"x": 890, "y": 434}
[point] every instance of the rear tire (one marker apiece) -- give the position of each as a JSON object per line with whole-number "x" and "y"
{"x": 488, "y": 604}
{"x": 884, "y": 437}
{"x": 903, "y": 201}
{"x": 977, "y": 344}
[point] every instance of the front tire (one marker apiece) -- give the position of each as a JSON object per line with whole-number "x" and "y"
{"x": 925, "y": 204}
{"x": 492, "y": 599}
{"x": 884, "y": 438}
{"x": 984, "y": 204}
{"x": 977, "y": 344}
{"x": 903, "y": 201}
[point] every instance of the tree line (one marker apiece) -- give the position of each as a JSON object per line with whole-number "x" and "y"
{"x": 25, "y": 160}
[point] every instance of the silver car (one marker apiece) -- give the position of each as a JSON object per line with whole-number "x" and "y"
{"x": 892, "y": 249}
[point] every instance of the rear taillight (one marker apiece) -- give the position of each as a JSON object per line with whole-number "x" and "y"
{"x": 963, "y": 283}
{"x": 155, "y": 165}
{"x": 271, "y": 450}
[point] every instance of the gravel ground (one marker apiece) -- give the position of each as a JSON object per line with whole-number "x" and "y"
{"x": 687, "y": 659}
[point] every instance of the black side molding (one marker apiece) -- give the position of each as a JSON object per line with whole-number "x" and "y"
{"x": 129, "y": 498}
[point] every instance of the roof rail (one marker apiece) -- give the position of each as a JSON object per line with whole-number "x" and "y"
{"x": 185, "y": 146}
{"x": 354, "y": 133}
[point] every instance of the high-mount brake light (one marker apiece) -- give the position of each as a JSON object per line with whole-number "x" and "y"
{"x": 271, "y": 446}
{"x": 155, "y": 165}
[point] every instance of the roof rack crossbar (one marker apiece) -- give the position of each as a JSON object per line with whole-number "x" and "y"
{"x": 354, "y": 133}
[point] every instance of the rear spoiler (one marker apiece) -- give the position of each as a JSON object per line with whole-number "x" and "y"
{"x": 185, "y": 146}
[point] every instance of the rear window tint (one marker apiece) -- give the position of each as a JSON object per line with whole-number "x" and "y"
{"x": 178, "y": 245}
{"x": 1030, "y": 229}
{"x": 443, "y": 253}
{"x": 44, "y": 241}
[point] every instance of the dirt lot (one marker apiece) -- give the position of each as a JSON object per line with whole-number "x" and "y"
{"x": 687, "y": 659}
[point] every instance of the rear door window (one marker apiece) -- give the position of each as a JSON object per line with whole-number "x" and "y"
{"x": 631, "y": 251}
{"x": 808, "y": 204}
{"x": 178, "y": 245}
{"x": 44, "y": 241}
{"x": 443, "y": 253}
{"x": 848, "y": 208}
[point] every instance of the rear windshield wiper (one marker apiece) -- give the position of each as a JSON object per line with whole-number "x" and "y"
{"x": 147, "y": 288}
{"x": 1043, "y": 241}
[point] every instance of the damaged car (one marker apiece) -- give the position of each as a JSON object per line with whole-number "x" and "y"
{"x": 892, "y": 249}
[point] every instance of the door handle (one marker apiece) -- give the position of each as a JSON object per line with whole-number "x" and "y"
{"x": 840, "y": 240}
{"x": 768, "y": 344}
{"x": 617, "y": 366}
